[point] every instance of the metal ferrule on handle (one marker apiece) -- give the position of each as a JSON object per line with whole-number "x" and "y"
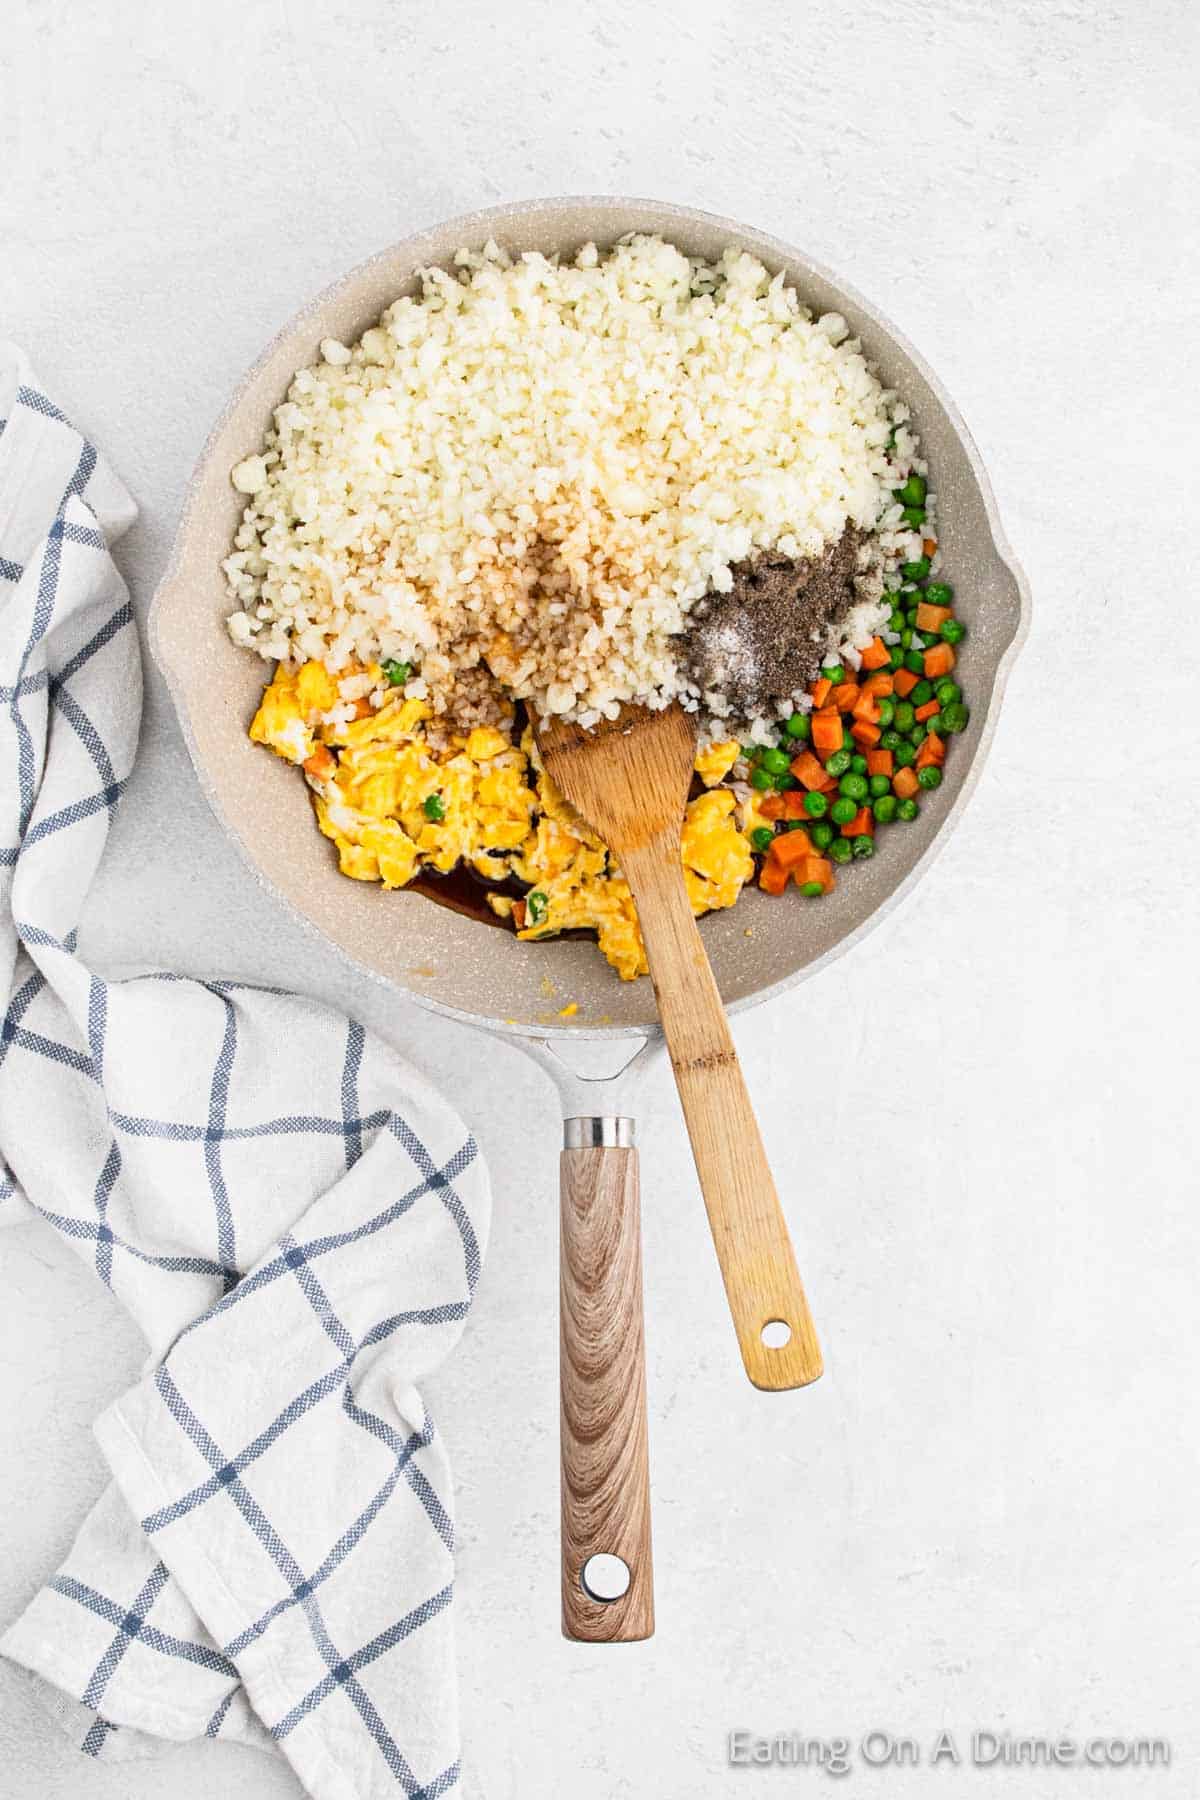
{"x": 602, "y": 1131}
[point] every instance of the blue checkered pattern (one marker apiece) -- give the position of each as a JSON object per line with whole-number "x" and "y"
{"x": 294, "y": 1218}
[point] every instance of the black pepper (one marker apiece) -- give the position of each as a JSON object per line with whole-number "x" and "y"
{"x": 762, "y": 642}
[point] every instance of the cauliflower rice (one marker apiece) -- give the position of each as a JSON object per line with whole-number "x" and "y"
{"x": 521, "y": 480}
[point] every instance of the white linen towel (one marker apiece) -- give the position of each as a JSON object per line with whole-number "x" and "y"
{"x": 291, "y": 1214}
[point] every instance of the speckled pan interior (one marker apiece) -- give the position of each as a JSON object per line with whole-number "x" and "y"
{"x": 458, "y": 965}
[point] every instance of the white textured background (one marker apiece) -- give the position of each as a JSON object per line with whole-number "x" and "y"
{"x": 984, "y": 1122}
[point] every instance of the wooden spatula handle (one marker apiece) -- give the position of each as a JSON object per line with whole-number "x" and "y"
{"x": 753, "y": 1248}
{"x": 602, "y": 1378}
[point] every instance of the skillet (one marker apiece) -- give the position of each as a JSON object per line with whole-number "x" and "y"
{"x": 448, "y": 961}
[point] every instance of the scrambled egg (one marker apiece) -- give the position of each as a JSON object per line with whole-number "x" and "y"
{"x": 392, "y": 804}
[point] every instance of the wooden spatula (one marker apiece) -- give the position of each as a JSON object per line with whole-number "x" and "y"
{"x": 629, "y": 779}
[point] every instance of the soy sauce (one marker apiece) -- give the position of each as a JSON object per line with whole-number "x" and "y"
{"x": 463, "y": 891}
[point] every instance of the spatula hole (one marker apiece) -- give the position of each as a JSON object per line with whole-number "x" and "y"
{"x": 776, "y": 1333}
{"x": 605, "y": 1578}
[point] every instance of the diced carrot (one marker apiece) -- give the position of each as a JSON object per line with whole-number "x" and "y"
{"x": 814, "y": 868}
{"x": 845, "y": 696}
{"x": 929, "y": 545}
{"x": 866, "y": 707}
{"x": 362, "y": 707}
{"x": 879, "y": 685}
{"x": 827, "y": 733}
{"x": 793, "y": 804}
{"x": 864, "y": 734}
{"x": 905, "y": 681}
{"x": 808, "y": 771}
{"x": 931, "y": 618}
{"x": 880, "y": 762}
{"x": 773, "y": 877}
{"x": 876, "y": 654}
{"x": 790, "y": 847}
{"x": 321, "y": 764}
{"x": 861, "y": 825}
{"x": 939, "y": 661}
{"x": 928, "y": 710}
{"x": 518, "y": 914}
{"x": 905, "y": 783}
{"x": 789, "y": 805}
{"x": 932, "y": 750}
{"x": 821, "y": 690}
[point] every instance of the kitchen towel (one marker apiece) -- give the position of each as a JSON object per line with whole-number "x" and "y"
{"x": 293, "y": 1216}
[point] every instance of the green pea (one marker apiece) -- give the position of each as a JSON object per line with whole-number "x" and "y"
{"x": 816, "y": 805}
{"x": 536, "y": 906}
{"x": 953, "y": 631}
{"x": 915, "y": 571}
{"x": 798, "y": 726}
{"x": 890, "y": 740}
{"x": 834, "y": 673}
{"x": 947, "y": 692}
{"x": 854, "y": 787}
{"x": 907, "y": 809}
{"x": 904, "y": 716}
{"x": 954, "y": 717}
{"x": 839, "y": 762}
{"x": 762, "y": 837}
{"x": 760, "y": 780}
{"x": 897, "y": 619}
{"x": 885, "y": 808}
{"x": 887, "y": 710}
{"x": 397, "y": 673}
{"x": 774, "y": 762}
{"x": 751, "y": 752}
{"x": 939, "y": 594}
{"x": 922, "y": 694}
{"x": 859, "y": 764}
{"x": 913, "y": 492}
{"x": 906, "y": 637}
{"x": 862, "y": 847}
{"x": 843, "y": 811}
{"x": 879, "y": 784}
{"x": 821, "y": 833}
{"x": 895, "y": 658}
{"x": 840, "y": 850}
{"x": 913, "y": 516}
{"x": 904, "y": 755}
{"x": 785, "y": 782}
{"x": 434, "y": 807}
{"x": 812, "y": 890}
{"x": 914, "y": 661}
{"x": 929, "y": 777}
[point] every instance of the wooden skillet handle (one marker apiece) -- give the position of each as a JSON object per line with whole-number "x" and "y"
{"x": 602, "y": 1378}
{"x": 757, "y": 1261}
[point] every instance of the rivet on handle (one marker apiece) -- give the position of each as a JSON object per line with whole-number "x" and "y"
{"x": 605, "y": 1578}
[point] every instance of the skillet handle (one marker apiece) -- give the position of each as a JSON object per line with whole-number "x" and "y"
{"x": 602, "y": 1380}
